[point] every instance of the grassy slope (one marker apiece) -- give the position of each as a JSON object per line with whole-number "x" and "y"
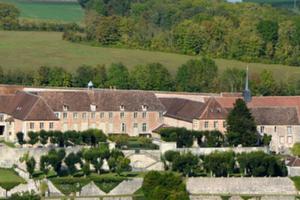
{"x": 68, "y": 12}
{"x": 32, "y": 49}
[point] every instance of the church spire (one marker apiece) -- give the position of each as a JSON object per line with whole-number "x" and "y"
{"x": 247, "y": 93}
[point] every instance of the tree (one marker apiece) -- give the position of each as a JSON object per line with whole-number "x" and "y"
{"x": 197, "y": 75}
{"x": 33, "y": 137}
{"x": 30, "y": 165}
{"x": 152, "y": 77}
{"x": 233, "y": 80}
{"x": 164, "y": 186}
{"x": 123, "y": 164}
{"x": 220, "y": 163}
{"x": 83, "y": 75}
{"x": 182, "y": 136}
{"x": 296, "y": 149}
{"x": 118, "y": 76}
{"x": 20, "y": 137}
{"x": 43, "y": 135}
{"x": 186, "y": 163}
{"x": 9, "y": 15}
{"x": 241, "y": 126}
{"x": 71, "y": 160}
{"x": 42, "y": 76}
{"x": 100, "y": 77}
{"x": 260, "y": 164}
{"x": 86, "y": 169}
{"x": 268, "y": 85}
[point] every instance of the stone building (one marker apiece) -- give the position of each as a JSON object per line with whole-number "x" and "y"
{"x": 139, "y": 112}
{"x": 116, "y": 112}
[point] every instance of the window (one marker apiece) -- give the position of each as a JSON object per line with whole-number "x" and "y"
{"x": 122, "y": 114}
{"x": 289, "y": 130}
{"x": 51, "y": 125}
{"x": 75, "y": 115}
{"x": 206, "y": 124}
{"x": 41, "y": 125}
{"x": 102, "y": 115}
{"x": 144, "y": 127}
{"x": 135, "y": 125}
{"x": 122, "y": 107}
{"x": 144, "y": 107}
{"x": 281, "y": 140}
{"x": 65, "y": 115}
{"x": 290, "y": 139}
{"x": 93, "y": 108}
{"x": 83, "y": 115}
{"x": 31, "y": 125}
{"x": 215, "y": 124}
{"x": 65, "y": 108}
{"x": 262, "y": 129}
{"x": 135, "y": 114}
{"x": 110, "y": 115}
{"x": 123, "y": 127}
{"x": 57, "y": 115}
{"x": 93, "y": 115}
{"x": 275, "y": 129}
{"x": 144, "y": 114}
{"x": 1, "y": 117}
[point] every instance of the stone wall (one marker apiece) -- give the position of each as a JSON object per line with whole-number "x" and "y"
{"x": 293, "y": 171}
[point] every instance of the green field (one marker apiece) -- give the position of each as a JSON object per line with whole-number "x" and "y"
{"x": 29, "y": 50}
{"x": 67, "y": 12}
{"x": 9, "y": 179}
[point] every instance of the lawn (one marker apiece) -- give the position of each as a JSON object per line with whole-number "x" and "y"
{"x": 29, "y": 50}
{"x": 58, "y": 11}
{"x": 9, "y": 179}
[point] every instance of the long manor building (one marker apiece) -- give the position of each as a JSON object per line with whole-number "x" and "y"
{"x": 140, "y": 113}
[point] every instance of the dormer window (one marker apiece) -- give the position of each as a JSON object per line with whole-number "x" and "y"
{"x": 93, "y": 108}
{"x": 65, "y": 108}
{"x": 219, "y": 110}
{"x": 144, "y": 107}
{"x": 122, "y": 107}
{"x": 211, "y": 110}
{"x": 19, "y": 108}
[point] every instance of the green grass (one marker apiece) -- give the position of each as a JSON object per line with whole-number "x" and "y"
{"x": 9, "y": 144}
{"x": 9, "y": 179}
{"x": 296, "y": 180}
{"x": 58, "y": 11}
{"x": 30, "y": 50}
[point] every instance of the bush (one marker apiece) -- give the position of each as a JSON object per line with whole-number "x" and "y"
{"x": 164, "y": 186}
{"x": 20, "y": 136}
{"x": 33, "y": 137}
{"x": 182, "y": 136}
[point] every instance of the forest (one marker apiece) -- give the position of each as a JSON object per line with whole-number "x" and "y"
{"x": 243, "y": 31}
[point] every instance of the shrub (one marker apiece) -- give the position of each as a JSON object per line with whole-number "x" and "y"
{"x": 164, "y": 186}
{"x": 20, "y": 137}
{"x": 33, "y": 137}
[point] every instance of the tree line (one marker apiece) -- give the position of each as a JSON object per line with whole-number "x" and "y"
{"x": 223, "y": 164}
{"x": 197, "y": 75}
{"x": 84, "y": 161}
{"x": 245, "y": 31}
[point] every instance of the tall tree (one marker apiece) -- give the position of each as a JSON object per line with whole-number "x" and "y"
{"x": 268, "y": 85}
{"x": 152, "y": 77}
{"x": 197, "y": 75}
{"x": 241, "y": 127}
{"x": 233, "y": 80}
{"x": 118, "y": 76}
